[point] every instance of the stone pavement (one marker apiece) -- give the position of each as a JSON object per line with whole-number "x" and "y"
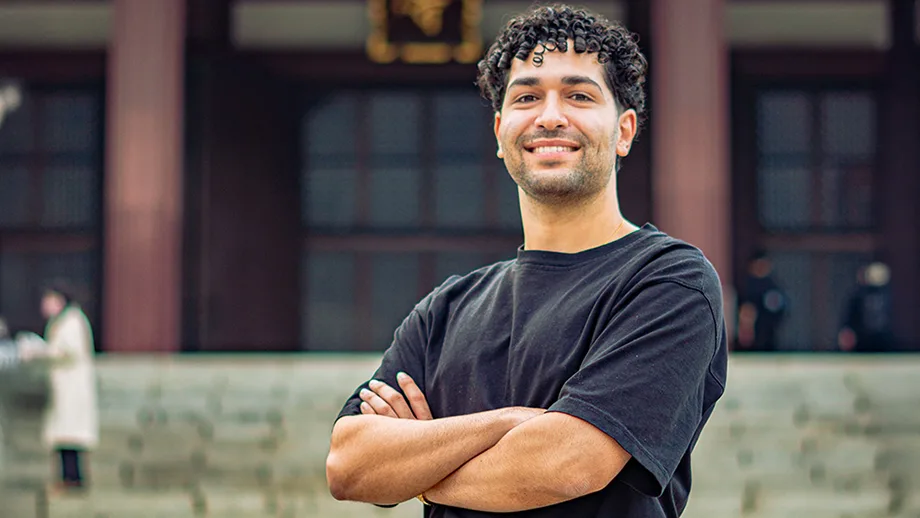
{"x": 246, "y": 436}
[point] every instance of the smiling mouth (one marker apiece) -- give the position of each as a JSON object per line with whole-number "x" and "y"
{"x": 545, "y": 150}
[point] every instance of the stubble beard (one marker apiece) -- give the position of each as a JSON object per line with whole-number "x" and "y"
{"x": 583, "y": 182}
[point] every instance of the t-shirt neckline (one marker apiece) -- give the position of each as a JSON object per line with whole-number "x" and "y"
{"x": 571, "y": 259}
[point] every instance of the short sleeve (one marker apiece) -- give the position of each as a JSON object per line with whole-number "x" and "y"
{"x": 405, "y": 354}
{"x": 642, "y": 381}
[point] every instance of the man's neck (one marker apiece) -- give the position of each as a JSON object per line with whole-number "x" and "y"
{"x": 575, "y": 228}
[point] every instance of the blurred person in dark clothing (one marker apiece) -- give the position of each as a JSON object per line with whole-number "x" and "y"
{"x": 762, "y": 306}
{"x": 867, "y": 318}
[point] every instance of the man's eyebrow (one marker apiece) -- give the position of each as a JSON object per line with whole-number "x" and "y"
{"x": 579, "y": 80}
{"x": 525, "y": 81}
{"x": 567, "y": 80}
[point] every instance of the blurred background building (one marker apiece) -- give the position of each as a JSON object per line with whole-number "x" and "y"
{"x": 248, "y": 176}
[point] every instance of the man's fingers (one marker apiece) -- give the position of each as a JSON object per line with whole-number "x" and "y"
{"x": 393, "y": 398}
{"x": 382, "y": 399}
{"x": 415, "y": 396}
{"x": 379, "y": 406}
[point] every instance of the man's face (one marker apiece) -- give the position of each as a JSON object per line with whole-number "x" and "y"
{"x": 761, "y": 268}
{"x": 559, "y": 130}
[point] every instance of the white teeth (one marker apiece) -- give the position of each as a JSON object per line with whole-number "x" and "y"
{"x": 553, "y": 149}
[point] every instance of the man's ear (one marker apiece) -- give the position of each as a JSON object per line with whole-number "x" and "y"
{"x": 498, "y": 123}
{"x": 628, "y": 126}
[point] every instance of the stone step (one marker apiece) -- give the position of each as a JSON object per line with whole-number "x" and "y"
{"x": 19, "y": 503}
{"x": 99, "y": 504}
{"x": 902, "y": 460}
{"x": 258, "y": 408}
{"x": 29, "y": 475}
{"x": 229, "y": 457}
{"x": 327, "y": 507}
{"x": 817, "y": 478}
{"x": 806, "y": 440}
{"x": 175, "y": 442}
{"x": 893, "y": 421}
{"x": 157, "y": 473}
{"x": 168, "y": 414}
{"x": 251, "y": 436}
{"x": 811, "y": 503}
{"x": 758, "y": 400}
{"x": 773, "y": 456}
{"x": 219, "y": 501}
{"x": 785, "y": 424}
{"x": 223, "y": 502}
{"x": 298, "y": 477}
{"x": 703, "y": 504}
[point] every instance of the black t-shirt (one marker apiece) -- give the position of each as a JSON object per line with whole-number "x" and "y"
{"x": 628, "y": 336}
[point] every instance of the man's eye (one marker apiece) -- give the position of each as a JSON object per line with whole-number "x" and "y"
{"x": 582, "y": 98}
{"x": 526, "y": 98}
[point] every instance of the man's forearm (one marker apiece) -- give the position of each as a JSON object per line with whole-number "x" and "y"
{"x": 540, "y": 463}
{"x": 383, "y": 460}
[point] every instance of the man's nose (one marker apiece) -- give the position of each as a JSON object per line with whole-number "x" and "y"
{"x": 552, "y": 117}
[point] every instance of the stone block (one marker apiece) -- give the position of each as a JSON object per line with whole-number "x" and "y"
{"x": 119, "y": 504}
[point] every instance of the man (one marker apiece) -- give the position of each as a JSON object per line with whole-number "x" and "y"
{"x": 574, "y": 380}
{"x": 763, "y": 306}
{"x": 867, "y": 320}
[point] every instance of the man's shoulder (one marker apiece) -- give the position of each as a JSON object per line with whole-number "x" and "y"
{"x": 462, "y": 285}
{"x": 659, "y": 257}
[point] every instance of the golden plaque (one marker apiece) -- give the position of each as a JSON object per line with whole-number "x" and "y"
{"x": 425, "y": 31}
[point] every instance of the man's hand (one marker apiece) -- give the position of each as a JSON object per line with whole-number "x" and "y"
{"x": 384, "y": 400}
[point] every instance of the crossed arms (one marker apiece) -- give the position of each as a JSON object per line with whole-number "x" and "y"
{"x": 503, "y": 460}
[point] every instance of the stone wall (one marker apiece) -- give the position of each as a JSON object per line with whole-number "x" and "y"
{"x": 246, "y": 436}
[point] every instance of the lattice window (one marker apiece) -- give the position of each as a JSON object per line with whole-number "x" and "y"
{"x": 400, "y": 189}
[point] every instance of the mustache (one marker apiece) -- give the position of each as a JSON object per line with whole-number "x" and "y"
{"x": 550, "y": 135}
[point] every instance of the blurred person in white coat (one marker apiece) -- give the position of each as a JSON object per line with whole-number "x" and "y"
{"x": 71, "y": 422}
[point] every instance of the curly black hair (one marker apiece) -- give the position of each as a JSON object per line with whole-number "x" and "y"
{"x": 551, "y": 27}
